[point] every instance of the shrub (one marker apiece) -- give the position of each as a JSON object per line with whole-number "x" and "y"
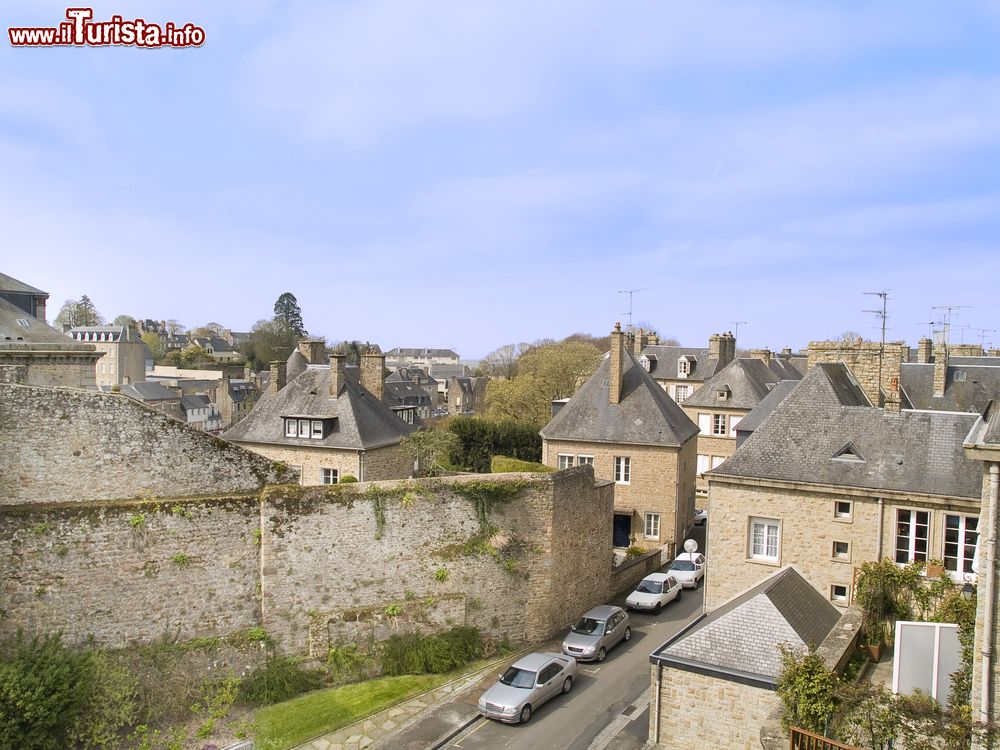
{"x": 412, "y": 653}
{"x": 481, "y": 439}
{"x": 500, "y": 464}
{"x": 634, "y": 551}
{"x": 808, "y": 690}
{"x": 278, "y": 680}
{"x": 348, "y": 479}
{"x": 111, "y": 704}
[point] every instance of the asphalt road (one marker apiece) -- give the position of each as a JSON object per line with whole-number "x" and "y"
{"x": 608, "y": 706}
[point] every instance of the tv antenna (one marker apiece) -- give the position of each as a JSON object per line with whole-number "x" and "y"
{"x": 631, "y": 292}
{"x": 736, "y": 327}
{"x": 883, "y": 315}
{"x": 946, "y": 311}
{"x": 982, "y": 335}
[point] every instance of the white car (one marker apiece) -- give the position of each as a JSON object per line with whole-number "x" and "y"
{"x": 700, "y": 516}
{"x": 654, "y": 591}
{"x": 689, "y": 569}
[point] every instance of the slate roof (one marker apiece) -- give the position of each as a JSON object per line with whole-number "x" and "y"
{"x": 749, "y": 381}
{"x": 32, "y": 330}
{"x": 468, "y": 385}
{"x": 741, "y": 638}
{"x": 405, "y": 394}
{"x": 10, "y": 284}
{"x": 417, "y": 352}
{"x": 117, "y": 333}
{"x": 217, "y": 344}
{"x": 908, "y": 452}
{"x": 406, "y": 375}
{"x": 980, "y": 385}
{"x": 986, "y": 430}
{"x": 295, "y": 365}
{"x": 663, "y": 362}
{"x": 363, "y": 422}
{"x": 645, "y": 416}
{"x": 442, "y": 372}
{"x": 148, "y": 391}
{"x": 765, "y": 406}
{"x": 194, "y": 402}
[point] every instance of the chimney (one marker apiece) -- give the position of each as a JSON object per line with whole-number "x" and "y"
{"x": 277, "y": 377}
{"x": 924, "y": 351}
{"x": 40, "y": 308}
{"x": 764, "y": 355}
{"x": 617, "y": 365}
{"x": 312, "y": 350}
{"x": 338, "y": 374}
{"x": 940, "y": 368}
{"x": 372, "y": 367}
{"x": 715, "y": 346}
{"x": 654, "y": 340}
{"x": 728, "y": 348}
{"x": 787, "y": 351}
{"x": 639, "y": 342}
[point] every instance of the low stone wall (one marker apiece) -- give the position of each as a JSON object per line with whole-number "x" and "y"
{"x": 629, "y": 573}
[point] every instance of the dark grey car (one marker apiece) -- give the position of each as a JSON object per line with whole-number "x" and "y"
{"x": 597, "y": 632}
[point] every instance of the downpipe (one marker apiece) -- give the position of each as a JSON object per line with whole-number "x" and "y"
{"x": 988, "y": 609}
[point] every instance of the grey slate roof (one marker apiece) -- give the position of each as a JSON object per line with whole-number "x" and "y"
{"x": 663, "y": 362}
{"x": 980, "y": 385}
{"x": 194, "y": 402}
{"x": 363, "y": 422}
{"x": 749, "y": 381}
{"x": 907, "y": 452}
{"x": 405, "y": 394}
{"x": 149, "y": 391}
{"x": 295, "y": 365}
{"x": 645, "y": 416}
{"x": 407, "y": 374}
{"x": 986, "y": 430}
{"x": 765, "y": 406}
{"x": 31, "y": 330}
{"x": 741, "y": 637}
{"x": 417, "y": 352}
{"x": 10, "y": 284}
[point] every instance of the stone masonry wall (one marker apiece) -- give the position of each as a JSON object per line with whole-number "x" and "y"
{"x": 130, "y": 572}
{"x": 60, "y": 445}
{"x": 390, "y": 462}
{"x": 808, "y": 527}
{"x": 862, "y": 357}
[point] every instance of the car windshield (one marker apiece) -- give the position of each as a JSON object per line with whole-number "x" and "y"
{"x": 519, "y": 678}
{"x": 588, "y": 626}
{"x": 682, "y": 565}
{"x": 650, "y": 587}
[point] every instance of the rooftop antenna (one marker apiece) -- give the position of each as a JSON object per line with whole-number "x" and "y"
{"x": 882, "y": 314}
{"x": 736, "y": 325}
{"x": 982, "y": 335}
{"x": 631, "y": 292}
{"x": 946, "y": 311}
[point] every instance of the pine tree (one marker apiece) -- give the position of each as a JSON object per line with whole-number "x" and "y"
{"x": 288, "y": 314}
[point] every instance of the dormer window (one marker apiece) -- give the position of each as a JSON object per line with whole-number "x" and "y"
{"x": 848, "y": 453}
{"x": 314, "y": 429}
{"x": 723, "y": 393}
{"x": 644, "y": 361}
{"x": 684, "y": 367}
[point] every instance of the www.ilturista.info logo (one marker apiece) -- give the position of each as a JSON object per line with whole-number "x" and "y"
{"x": 80, "y": 30}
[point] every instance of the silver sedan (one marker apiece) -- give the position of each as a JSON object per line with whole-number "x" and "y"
{"x": 526, "y": 685}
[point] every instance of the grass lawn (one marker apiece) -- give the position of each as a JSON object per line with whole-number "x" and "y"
{"x": 293, "y": 722}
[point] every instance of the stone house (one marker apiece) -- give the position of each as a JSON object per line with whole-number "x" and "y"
{"x": 443, "y": 375}
{"x": 199, "y": 412}
{"x": 714, "y": 683}
{"x": 624, "y": 424}
{"x": 403, "y": 357}
{"x": 466, "y": 395}
{"x": 125, "y": 354}
{"x": 679, "y": 370}
{"x": 154, "y": 395}
{"x": 725, "y": 399}
{"x": 325, "y": 422}
{"x": 829, "y": 481}
{"x": 408, "y": 401}
{"x": 419, "y": 377}
{"x": 218, "y": 348}
{"x": 235, "y": 398}
{"x": 23, "y": 296}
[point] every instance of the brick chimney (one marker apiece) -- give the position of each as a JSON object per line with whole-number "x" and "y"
{"x": 940, "y": 368}
{"x": 764, "y": 355}
{"x": 277, "y": 377}
{"x": 338, "y": 373}
{"x": 617, "y": 365}
{"x": 639, "y": 342}
{"x": 313, "y": 351}
{"x": 924, "y": 351}
{"x": 372, "y": 366}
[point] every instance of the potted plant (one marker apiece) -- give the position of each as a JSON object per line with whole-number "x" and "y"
{"x": 882, "y": 591}
{"x": 935, "y": 569}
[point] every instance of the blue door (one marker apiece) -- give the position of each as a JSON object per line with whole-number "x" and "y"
{"x": 622, "y": 530}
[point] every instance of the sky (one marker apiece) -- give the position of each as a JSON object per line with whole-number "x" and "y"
{"x": 471, "y": 173}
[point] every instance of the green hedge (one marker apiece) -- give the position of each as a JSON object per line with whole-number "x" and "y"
{"x": 501, "y": 464}
{"x": 481, "y": 439}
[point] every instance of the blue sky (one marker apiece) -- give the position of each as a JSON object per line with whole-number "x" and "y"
{"x": 467, "y": 174}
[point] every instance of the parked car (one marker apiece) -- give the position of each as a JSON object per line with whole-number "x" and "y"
{"x": 526, "y": 685}
{"x": 596, "y": 632}
{"x": 689, "y": 569}
{"x": 654, "y": 591}
{"x": 700, "y": 516}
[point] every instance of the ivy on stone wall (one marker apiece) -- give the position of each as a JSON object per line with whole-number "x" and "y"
{"x": 485, "y": 495}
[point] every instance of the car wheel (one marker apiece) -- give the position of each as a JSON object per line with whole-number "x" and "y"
{"x": 601, "y": 653}
{"x": 628, "y": 634}
{"x": 567, "y": 685}
{"x": 700, "y": 582}
{"x": 679, "y": 592}
{"x": 525, "y": 713}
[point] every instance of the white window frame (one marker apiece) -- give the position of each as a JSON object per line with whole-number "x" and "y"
{"x": 651, "y": 527}
{"x": 623, "y": 469}
{"x": 733, "y": 421}
{"x": 317, "y": 429}
{"x": 291, "y": 428}
{"x": 717, "y": 461}
{"x": 838, "y": 593}
{"x": 910, "y": 552}
{"x": 565, "y": 461}
{"x": 681, "y": 392}
{"x": 847, "y": 551}
{"x": 584, "y": 460}
{"x": 962, "y": 555}
{"x": 840, "y": 515}
{"x": 704, "y": 461}
{"x": 719, "y": 425}
{"x": 328, "y": 473}
{"x": 704, "y": 423}
{"x": 304, "y": 428}
{"x": 765, "y": 547}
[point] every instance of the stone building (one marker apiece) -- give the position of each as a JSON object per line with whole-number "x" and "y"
{"x": 420, "y": 378}
{"x": 325, "y": 422}
{"x": 829, "y": 481}
{"x": 466, "y": 395}
{"x": 623, "y": 424}
{"x": 725, "y": 399}
{"x": 679, "y": 370}
{"x": 125, "y": 354}
{"x": 234, "y": 398}
{"x": 403, "y": 357}
{"x": 23, "y": 296}
{"x": 713, "y": 684}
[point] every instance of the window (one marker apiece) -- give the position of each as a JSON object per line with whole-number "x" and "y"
{"x": 682, "y": 392}
{"x": 838, "y": 593}
{"x": 960, "y": 537}
{"x": 623, "y": 469}
{"x": 304, "y": 428}
{"x": 764, "y": 539}
{"x": 841, "y": 551}
{"x": 583, "y": 460}
{"x": 718, "y": 424}
{"x": 960, "y": 376}
{"x": 911, "y": 535}
{"x": 652, "y": 526}
{"x": 733, "y": 421}
{"x": 565, "y": 460}
{"x": 317, "y": 428}
{"x": 842, "y": 509}
{"x": 548, "y": 673}
{"x": 683, "y": 368}
{"x": 329, "y": 476}
{"x": 717, "y": 461}
{"x": 291, "y": 427}
{"x": 704, "y": 423}
{"x": 702, "y": 463}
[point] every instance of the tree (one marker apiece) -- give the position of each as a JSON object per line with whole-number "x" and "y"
{"x": 269, "y": 341}
{"x": 208, "y": 330}
{"x": 353, "y": 350}
{"x": 154, "y": 343}
{"x": 127, "y": 321}
{"x": 429, "y": 449}
{"x": 479, "y": 440}
{"x": 174, "y": 327}
{"x": 79, "y": 312}
{"x": 808, "y": 690}
{"x": 502, "y": 361}
{"x": 287, "y": 312}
